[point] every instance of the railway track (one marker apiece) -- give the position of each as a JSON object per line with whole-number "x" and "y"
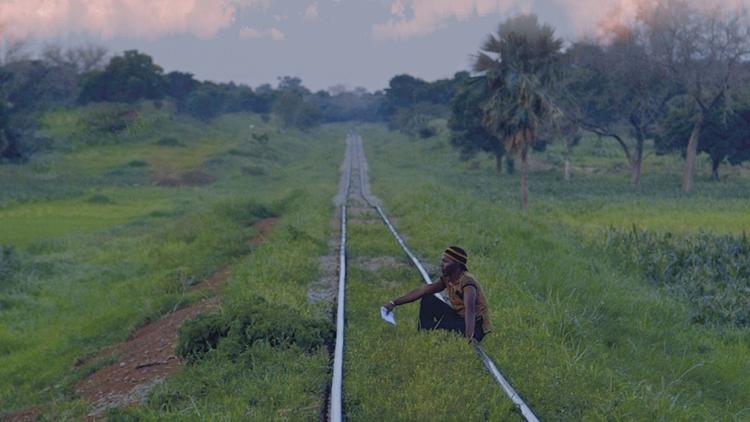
{"x": 355, "y": 160}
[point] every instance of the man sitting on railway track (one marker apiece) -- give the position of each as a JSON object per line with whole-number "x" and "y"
{"x": 467, "y": 312}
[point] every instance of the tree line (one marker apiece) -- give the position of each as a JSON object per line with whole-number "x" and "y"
{"x": 678, "y": 74}
{"x": 59, "y": 77}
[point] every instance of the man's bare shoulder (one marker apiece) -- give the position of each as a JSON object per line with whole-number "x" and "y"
{"x": 468, "y": 278}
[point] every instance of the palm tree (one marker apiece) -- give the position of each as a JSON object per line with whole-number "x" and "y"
{"x": 521, "y": 64}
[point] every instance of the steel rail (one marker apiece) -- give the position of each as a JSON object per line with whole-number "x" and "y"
{"x": 507, "y": 388}
{"x": 335, "y": 412}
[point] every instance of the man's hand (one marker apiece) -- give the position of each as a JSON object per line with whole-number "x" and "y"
{"x": 390, "y": 305}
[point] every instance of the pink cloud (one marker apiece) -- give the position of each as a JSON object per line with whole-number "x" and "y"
{"x": 312, "y": 13}
{"x": 428, "y": 15}
{"x": 275, "y": 34}
{"x": 109, "y": 18}
{"x": 412, "y": 18}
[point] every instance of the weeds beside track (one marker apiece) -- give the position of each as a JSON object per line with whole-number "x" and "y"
{"x": 355, "y": 159}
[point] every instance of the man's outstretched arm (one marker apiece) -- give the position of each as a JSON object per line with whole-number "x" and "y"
{"x": 415, "y": 294}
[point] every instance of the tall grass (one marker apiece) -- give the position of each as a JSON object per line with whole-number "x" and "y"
{"x": 264, "y": 381}
{"x": 711, "y": 272}
{"x": 580, "y": 337}
{"x": 71, "y": 298}
{"x": 101, "y": 253}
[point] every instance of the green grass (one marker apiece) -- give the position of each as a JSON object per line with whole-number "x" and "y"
{"x": 398, "y": 373}
{"x": 580, "y": 338}
{"x": 266, "y": 382}
{"x": 25, "y": 224}
{"x": 103, "y": 247}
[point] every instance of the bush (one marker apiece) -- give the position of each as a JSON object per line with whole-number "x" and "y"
{"x": 169, "y": 141}
{"x": 99, "y": 199}
{"x": 245, "y": 212}
{"x": 253, "y": 170}
{"x": 427, "y": 132}
{"x": 711, "y": 271}
{"x": 200, "y": 335}
{"x": 241, "y": 153}
{"x": 415, "y": 120}
{"x": 9, "y": 264}
{"x": 108, "y": 118}
{"x": 261, "y": 139}
{"x": 137, "y": 163}
{"x": 237, "y": 331}
{"x": 206, "y": 102}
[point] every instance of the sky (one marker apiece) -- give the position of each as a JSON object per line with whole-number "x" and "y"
{"x": 324, "y": 42}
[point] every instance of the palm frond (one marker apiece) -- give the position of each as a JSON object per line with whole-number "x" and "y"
{"x": 492, "y": 44}
{"x": 484, "y": 62}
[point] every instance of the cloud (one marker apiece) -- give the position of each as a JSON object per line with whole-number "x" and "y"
{"x": 110, "y": 18}
{"x": 311, "y": 13}
{"x": 398, "y": 9}
{"x": 274, "y": 33}
{"x": 426, "y": 16}
{"x": 413, "y": 18}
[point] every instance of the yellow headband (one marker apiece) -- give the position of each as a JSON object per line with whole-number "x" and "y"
{"x": 456, "y": 256}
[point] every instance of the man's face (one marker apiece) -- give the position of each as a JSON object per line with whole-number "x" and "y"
{"x": 447, "y": 265}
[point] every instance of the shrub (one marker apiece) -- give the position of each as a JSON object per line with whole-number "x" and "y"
{"x": 253, "y": 170}
{"x": 137, "y": 163}
{"x": 238, "y": 330}
{"x": 9, "y": 264}
{"x": 169, "y": 141}
{"x": 245, "y": 212}
{"x": 240, "y": 153}
{"x": 99, "y": 199}
{"x": 196, "y": 178}
{"x": 427, "y": 132}
{"x": 108, "y": 118}
{"x": 198, "y": 336}
{"x": 261, "y": 139}
{"x": 711, "y": 271}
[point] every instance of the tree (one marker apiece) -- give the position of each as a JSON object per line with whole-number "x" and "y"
{"x": 294, "y": 104}
{"x": 87, "y": 58}
{"x": 617, "y": 91}
{"x": 295, "y": 111}
{"x": 703, "y": 49}
{"x": 264, "y": 98}
{"x": 521, "y": 64}
{"x": 468, "y": 134}
{"x": 127, "y": 78}
{"x": 404, "y": 91}
{"x": 338, "y": 104}
{"x": 178, "y": 86}
{"x": 83, "y": 59}
{"x": 15, "y": 51}
{"x": 725, "y": 135}
{"x": 206, "y": 101}
{"x": 37, "y": 84}
{"x": 10, "y": 147}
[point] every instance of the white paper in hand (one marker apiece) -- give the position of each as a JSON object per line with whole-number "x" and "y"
{"x": 387, "y": 316}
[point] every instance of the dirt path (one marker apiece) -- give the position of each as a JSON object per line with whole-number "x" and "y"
{"x": 148, "y": 356}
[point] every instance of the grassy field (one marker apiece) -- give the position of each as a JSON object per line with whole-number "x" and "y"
{"x": 397, "y": 373}
{"x": 109, "y": 234}
{"x": 580, "y": 335}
